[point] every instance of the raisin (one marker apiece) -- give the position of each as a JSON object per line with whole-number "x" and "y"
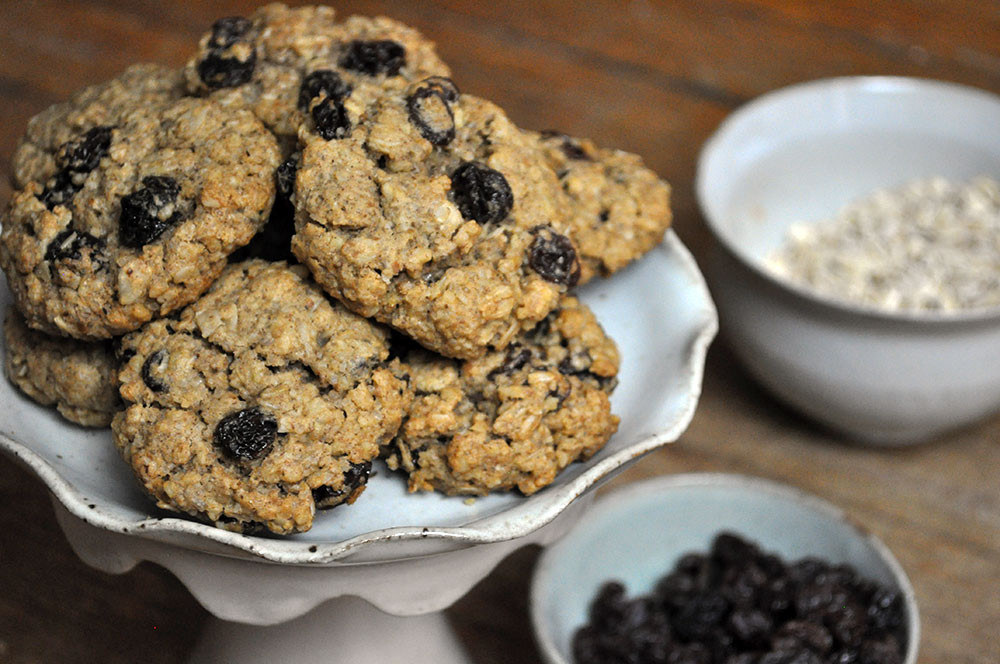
{"x": 608, "y": 607}
{"x": 569, "y": 146}
{"x": 357, "y": 475}
{"x": 742, "y": 585}
{"x": 813, "y": 599}
{"x": 76, "y": 158}
{"x": 430, "y": 110}
{"x": 742, "y": 658}
{"x": 692, "y": 653}
{"x": 553, "y": 257}
{"x": 885, "y": 610}
{"x": 443, "y": 86}
{"x": 223, "y": 67}
{"x": 374, "y": 57}
{"x": 574, "y": 151}
{"x": 730, "y": 549}
{"x": 327, "y": 497}
{"x": 806, "y": 570}
{"x": 148, "y": 212}
{"x": 83, "y": 155}
{"x": 481, "y": 193}
{"x": 59, "y": 190}
{"x": 790, "y": 657}
{"x": 221, "y": 72}
{"x": 247, "y": 434}
{"x": 516, "y": 358}
{"x": 881, "y": 651}
{"x": 322, "y": 83}
{"x": 751, "y": 627}
{"x": 847, "y": 624}
{"x": 700, "y": 614}
{"x": 807, "y": 634}
{"x": 157, "y": 362}
{"x": 70, "y": 245}
{"x": 331, "y": 118}
{"x": 575, "y": 364}
{"x": 778, "y": 597}
{"x": 228, "y": 30}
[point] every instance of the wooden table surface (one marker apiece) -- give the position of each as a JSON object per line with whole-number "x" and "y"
{"x": 651, "y": 77}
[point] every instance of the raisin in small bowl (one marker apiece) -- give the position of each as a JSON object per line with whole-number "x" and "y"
{"x": 885, "y": 329}
{"x": 711, "y": 568}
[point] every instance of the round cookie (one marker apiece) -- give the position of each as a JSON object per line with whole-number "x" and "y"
{"x": 430, "y": 211}
{"x": 277, "y": 59}
{"x": 37, "y": 156}
{"x": 260, "y": 403}
{"x": 139, "y": 219}
{"x": 78, "y": 377}
{"x": 510, "y": 419}
{"x": 619, "y": 208}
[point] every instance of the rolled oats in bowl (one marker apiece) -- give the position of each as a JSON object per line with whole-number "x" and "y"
{"x": 930, "y": 245}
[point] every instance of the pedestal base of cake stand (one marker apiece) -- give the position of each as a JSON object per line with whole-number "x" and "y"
{"x": 384, "y": 611}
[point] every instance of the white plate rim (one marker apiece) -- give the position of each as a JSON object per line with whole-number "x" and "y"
{"x": 190, "y": 534}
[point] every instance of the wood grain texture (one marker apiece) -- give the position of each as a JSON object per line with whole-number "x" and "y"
{"x": 651, "y": 77}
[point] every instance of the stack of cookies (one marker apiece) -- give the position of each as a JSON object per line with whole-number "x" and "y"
{"x": 307, "y": 250}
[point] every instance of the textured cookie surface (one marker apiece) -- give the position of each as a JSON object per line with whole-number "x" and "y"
{"x": 36, "y": 158}
{"x": 78, "y": 377}
{"x": 139, "y": 217}
{"x": 619, "y": 208}
{"x": 278, "y": 59}
{"x": 510, "y": 419}
{"x": 262, "y": 402}
{"x": 430, "y": 211}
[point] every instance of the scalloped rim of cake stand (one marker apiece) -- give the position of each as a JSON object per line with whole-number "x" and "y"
{"x": 410, "y": 540}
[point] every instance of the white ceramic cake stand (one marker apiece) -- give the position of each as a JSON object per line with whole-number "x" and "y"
{"x": 391, "y": 554}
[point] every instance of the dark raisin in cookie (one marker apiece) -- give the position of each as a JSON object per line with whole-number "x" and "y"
{"x": 261, "y": 403}
{"x": 510, "y": 419}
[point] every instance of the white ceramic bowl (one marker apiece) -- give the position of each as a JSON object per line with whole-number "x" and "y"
{"x": 801, "y": 154}
{"x": 637, "y": 533}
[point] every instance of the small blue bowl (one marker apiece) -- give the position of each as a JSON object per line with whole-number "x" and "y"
{"x": 637, "y": 533}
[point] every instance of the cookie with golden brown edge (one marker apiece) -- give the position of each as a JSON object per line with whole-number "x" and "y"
{"x": 430, "y": 211}
{"x": 511, "y": 419}
{"x": 260, "y": 403}
{"x": 139, "y": 218}
{"x": 619, "y": 208}
{"x": 79, "y": 378}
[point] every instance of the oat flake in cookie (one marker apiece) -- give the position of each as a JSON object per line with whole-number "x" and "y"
{"x": 78, "y": 377}
{"x": 430, "y": 211}
{"x": 514, "y": 418}
{"x": 278, "y": 59}
{"x": 139, "y": 218}
{"x": 619, "y": 208}
{"x": 261, "y": 403}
